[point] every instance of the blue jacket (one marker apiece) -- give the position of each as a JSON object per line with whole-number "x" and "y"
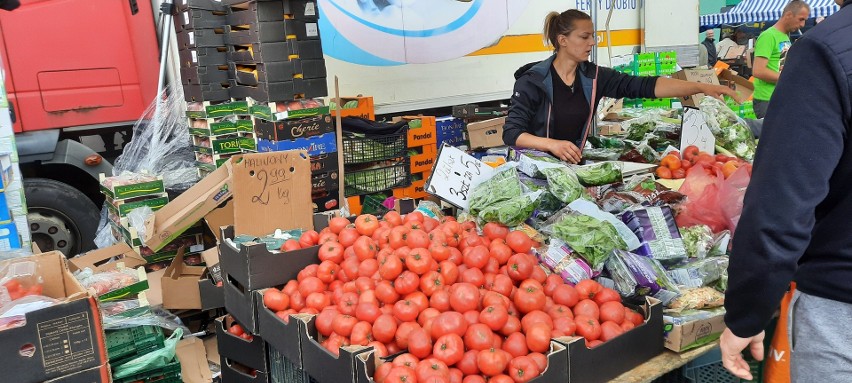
{"x": 532, "y": 97}
{"x": 796, "y": 222}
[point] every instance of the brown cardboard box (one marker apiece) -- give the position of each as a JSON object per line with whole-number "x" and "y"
{"x": 486, "y": 134}
{"x": 220, "y": 217}
{"x": 707, "y": 76}
{"x": 272, "y": 191}
{"x": 180, "y": 285}
{"x": 190, "y": 207}
{"x": 693, "y": 334}
{"x": 98, "y": 260}
{"x": 744, "y": 87}
{"x": 57, "y": 341}
{"x": 193, "y": 361}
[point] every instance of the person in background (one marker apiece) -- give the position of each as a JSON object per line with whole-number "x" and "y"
{"x": 770, "y": 51}
{"x": 710, "y": 44}
{"x": 727, "y": 42}
{"x": 553, "y": 100}
{"x": 790, "y": 230}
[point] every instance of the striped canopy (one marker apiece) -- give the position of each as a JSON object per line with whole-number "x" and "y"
{"x": 764, "y": 10}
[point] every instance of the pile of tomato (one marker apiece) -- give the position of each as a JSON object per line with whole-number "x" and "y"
{"x": 451, "y": 305}
{"x": 673, "y": 166}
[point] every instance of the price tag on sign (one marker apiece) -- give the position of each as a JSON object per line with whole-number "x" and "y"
{"x": 695, "y": 131}
{"x": 455, "y": 174}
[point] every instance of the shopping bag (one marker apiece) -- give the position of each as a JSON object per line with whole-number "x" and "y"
{"x": 777, "y": 365}
{"x": 731, "y": 195}
{"x": 702, "y": 200}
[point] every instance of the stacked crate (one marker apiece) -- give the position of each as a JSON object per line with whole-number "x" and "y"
{"x": 199, "y": 25}
{"x": 128, "y": 192}
{"x": 423, "y": 143}
{"x": 219, "y": 131}
{"x": 651, "y": 64}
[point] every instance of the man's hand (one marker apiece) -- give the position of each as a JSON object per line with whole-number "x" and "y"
{"x": 565, "y": 151}
{"x": 716, "y": 91}
{"x": 732, "y": 347}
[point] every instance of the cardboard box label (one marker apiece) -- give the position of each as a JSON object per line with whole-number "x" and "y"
{"x": 272, "y": 191}
{"x": 66, "y": 343}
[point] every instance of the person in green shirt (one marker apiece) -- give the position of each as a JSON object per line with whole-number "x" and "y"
{"x": 771, "y": 50}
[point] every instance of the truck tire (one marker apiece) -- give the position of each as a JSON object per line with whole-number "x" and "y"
{"x": 61, "y": 218}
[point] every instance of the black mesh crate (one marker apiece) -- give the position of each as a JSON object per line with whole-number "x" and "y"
{"x": 377, "y": 177}
{"x": 361, "y": 148}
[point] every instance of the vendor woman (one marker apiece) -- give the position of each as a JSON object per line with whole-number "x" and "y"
{"x": 553, "y": 99}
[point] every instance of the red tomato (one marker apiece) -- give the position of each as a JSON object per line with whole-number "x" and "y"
{"x": 449, "y": 349}
{"x": 634, "y": 317}
{"x": 406, "y": 283}
{"x": 476, "y": 257}
{"x": 327, "y": 237}
{"x": 566, "y": 295}
{"x": 309, "y": 238}
{"x": 365, "y": 248}
{"x": 405, "y": 311}
{"x": 347, "y": 304}
{"x": 565, "y": 325}
{"x": 495, "y": 230}
{"x": 417, "y": 239}
{"x": 419, "y": 343}
{"x": 297, "y": 301}
{"x": 309, "y": 271}
{"x": 587, "y": 307}
{"x": 362, "y": 334}
{"x": 501, "y": 253}
{"x": 588, "y": 327}
{"x": 450, "y": 272}
{"x": 513, "y": 325}
{"x": 538, "y": 337}
{"x": 406, "y": 360}
{"x": 331, "y": 251}
{"x": 607, "y": 295}
{"x": 519, "y": 241}
{"x": 551, "y": 283}
{"x": 392, "y": 217}
{"x": 610, "y": 330}
{"x": 495, "y": 317}
{"x": 327, "y": 271}
{"x": 559, "y": 311}
{"x": 290, "y": 245}
{"x": 337, "y": 224}
{"x": 612, "y": 311}
{"x": 440, "y": 251}
{"x": 420, "y": 300}
{"x": 348, "y": 236}
{"x": 587, "y": 289}
{"x": 440, "y": 300}
{"x": 464, "y": 297}
{"x": 519, "y": 267}
{"x": 491, "y": 362}
{"x": 311, "y": 285}
{"x": 474, "y": 277}
{"x": 384, "y": 328}
{"x": 540, "y": 360}
{"x": 390, "y": 267}
{"x": 366, "y": 224}
{"x": 523, "y": 369}
{"x": 529, "y": 297}
{"x": 403, "y": 331}
{"x": 502, "y": 378}
{"x": 343, "y": 324}
{"x": 478, "y": 337}
{"x": 418, "y": 260}
{"x": 432, "y": 368}
{"x": 386, "y": 293}
{"x": 627, "y": 325}
{"x": 275, "y": 300}
{"x": 516, "y": 345}
{"x": 467, "y": 364}
{"x": 236, "y": 330}
{"x": 317, "y": 301}
{"x": 401, "y": 375}
{"x": 536, "y": 317}
{"x": 367, "y": 312}
{"x": 449, "y": 322}
{"x": 538, "y": 274}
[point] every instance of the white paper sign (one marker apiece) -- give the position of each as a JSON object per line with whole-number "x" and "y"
{"x": 455, "y": 174}
{"x": 311, "y": 30}
{"x": 310, "y": 9}
{"x": 694, "y": 131}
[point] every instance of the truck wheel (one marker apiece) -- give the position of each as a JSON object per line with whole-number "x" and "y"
{"x": 61, "y": 218}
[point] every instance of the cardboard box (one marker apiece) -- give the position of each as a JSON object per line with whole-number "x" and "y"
{"x": 325, "y": 182}
{"x": 199, "y": 75}
{"x": 209, "y": 127}
{"x": 416, "y": 190}
{"x": 38, "y": 351}
{"x": 324, "y": 163}
{"x": 122, "y": 207}
{"x": 197, "y": 18}
{"x": 214, "y": 92}
{"x": 693, "y": 334}
{"x": 200, "y": 57}
{"x": 100, "y": 374}
{"x": 302, "y": 9}
{"x": 706, "y": 76}
{"x": 450, "y": 131}
{"x": 286, "y": 90}
{"x": 210, "y": 5}
{"x": 187, "y": 209}
{"x": 218, "y": 110}
{"x": 318, "y": 362}
{"x": 193, "y": 361}
{"x": 284, "y": 337}
{"x": 424, "y": 161}
{"x": 253, "y": 12}
{"x": 272, "y": 191}
{"x": 254, "y": 74}
{"x": 100, "y": 260}
{"x": 742, "y": 86}
{"x": 279, "y": 111}
{"x": 250, "y": 353}
{"x": 366, "y": 109}
{"x": 233, "y": 372}
{"x": 211, "y": 286}
{"x": 270, "y": 32}
{"x": 421, "y": 130}
{"x": 180, "y": 285}
{"x": 621, "y": 354}
{"x": 274, "y": 51}
{"x": 326, "y": 201}
{"x": 294, "y": 129}
{"x": 199, "y": 38}
{"x": 486, "y": 134}
{"x": 318, "y": 145}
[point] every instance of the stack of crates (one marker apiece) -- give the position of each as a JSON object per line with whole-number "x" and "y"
{"x": 131, "y": 191}
{"x": 125, "y": 345}
{"x": 199, "y": 25}
{"x": 219, "y": 131}
{"x": 423, "y": 144}
{"x": 377, "y": 163}
{"x": 666, "y": 63}
{"x": 274, "y": 50}
{"x": 744, "y": 110}
{"x": 650, "y": 64}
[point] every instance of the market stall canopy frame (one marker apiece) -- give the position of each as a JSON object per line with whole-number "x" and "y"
{"x": 764, "y": 10}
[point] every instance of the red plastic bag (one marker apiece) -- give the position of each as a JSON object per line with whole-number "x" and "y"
{"x": 731, "y": 195}
{"x": 702, "y": 201}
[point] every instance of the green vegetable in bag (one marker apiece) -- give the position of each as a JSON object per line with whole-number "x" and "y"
{"x": 603, "y": 173}
{"x": 563, "y": 184}
{"x": 503, "y": 186}
{"x": 512, "y": 212}
{"x": 593, "y": 239}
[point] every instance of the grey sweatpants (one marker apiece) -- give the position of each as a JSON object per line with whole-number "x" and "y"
{"x": 821, "y": 339}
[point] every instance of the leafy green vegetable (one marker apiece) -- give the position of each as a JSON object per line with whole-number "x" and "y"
{"x": 593, "y": 239}
{"x": 697, "y": 239}
{"x": 563, "y": 184}
{"x": 503, "y": 186}
{"x": 547, "y": 202}
{"x": 603, "y": 173}
{"x": 729, "y": 130}
{"x": 512, "y": 212}
{"x": 637, "y": 131}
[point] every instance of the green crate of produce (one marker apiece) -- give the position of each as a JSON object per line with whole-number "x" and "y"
{"x": 228, "y": 145}
{"x": 122, "y": 207}
{"x": 652, "y": 103}
{"x": 165, "y": 374}
{"x": 126, "y": 344}
{"x": 208, "y": 110}
{"x": 377, "y": 177}
{"x": 212, "y": 128}
{"x": 121, "y": 190}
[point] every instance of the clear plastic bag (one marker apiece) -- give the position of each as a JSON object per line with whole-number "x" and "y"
{"x": 696, "y": 299}
{"x": 731, "y": 132}
{"x": 602, "y": 173}
{"x": 591, "y": 238}
{"x": 563, "y": 183}
{"x": 702, "y": 203}
{"x": 136, "y": 312}
{"x": 698, "y": 240}
{"x": 13, "y": 314}
{"x": 15, "y": 253}
{"x": 561, "y": 260}
{"x": 731, "y": 195}
{"x": 686, "y": 316}
{"x": 636, "y": 275}
{"x": 151, "y": 360}
{"x": 105, "y": 282}
{"x": 699, "y": 272}
{"x": 503, "y": 186}
{"x": 19, "y": 278}
{"x": 512, "y": 212}
{"x": 136, "y": 218}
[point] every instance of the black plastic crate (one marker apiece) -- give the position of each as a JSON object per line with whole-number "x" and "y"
{"x": 282, "y": 370}
{"x": 359, "y": 148}
{"x": 377, "y": 177}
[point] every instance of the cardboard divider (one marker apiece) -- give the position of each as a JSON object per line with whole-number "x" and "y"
{"x": 318, "y": 362}
{"x": 107, "y": 259}
{"x": 251, "y": 354}
{"x": 180, "y": 284}
{"x": 283, "y": 336}
{"x": 621, "y": 354}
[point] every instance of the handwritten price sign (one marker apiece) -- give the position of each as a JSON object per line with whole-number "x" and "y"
{"x": 455, "y": 174}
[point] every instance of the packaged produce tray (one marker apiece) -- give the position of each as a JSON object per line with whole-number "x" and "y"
{"x": 377, "y": 177}
{"x": 208, "y": 127}
{"x": 122, "y": 207}
{"x": 123, "y": 345}
{"x": 208, "y": 110}
{"x": 359, "y": 149}
{"x": 118, "y": 188}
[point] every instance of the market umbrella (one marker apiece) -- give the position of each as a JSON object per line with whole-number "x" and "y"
{"x": 763, "y": 10}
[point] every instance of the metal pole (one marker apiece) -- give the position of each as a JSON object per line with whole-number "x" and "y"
{"x": 166, "y": 35}
{"x": 593, "y": 10}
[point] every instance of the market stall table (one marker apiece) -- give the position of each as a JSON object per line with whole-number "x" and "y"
{"x": 662, "y": 364}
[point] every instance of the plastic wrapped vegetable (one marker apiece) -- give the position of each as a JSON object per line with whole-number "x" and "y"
{"x": 730, "y": 131}
{"x": 563, "y": 183}
{"x": 19, "y": 278}
{"x": 686, "y": 316}
{"x": 511, "y": 212}
{"x": 562, "y": 260}
{"x": 700, "y": 272}
{"x": 698, "y": 240}
{"x": 656, "y": 228}
{"x": 599, "y": 174}
{"x": 634, "y": 275}
{"x": 696, "y": 299}
{"x": 548, "y": 203}
{"x": 592, "y": 238}
{"x": 503, "y": 186}
{"x": 105, "y": 282}
{"x": 531, "y": 161}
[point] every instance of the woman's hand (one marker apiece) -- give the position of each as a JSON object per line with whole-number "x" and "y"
{"x": 716, "y": 91}
{"x": 565, "y": 151}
